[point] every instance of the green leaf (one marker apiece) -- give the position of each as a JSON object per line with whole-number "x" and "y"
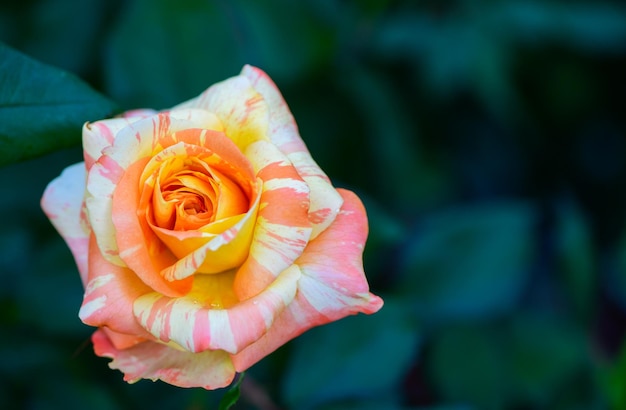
{"x": 231, "y": 397}
{"x": 469, "y": 262}
{"x": 42, "y": 108}
{"x": 359, "y": 357}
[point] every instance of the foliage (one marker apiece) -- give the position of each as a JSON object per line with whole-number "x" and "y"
{"x": 487, "y": 139}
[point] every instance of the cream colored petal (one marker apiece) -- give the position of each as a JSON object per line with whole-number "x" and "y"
{"x": 156, "y": 361}
{"x": 62, "y": 203}
{"x": 242, "y": 110}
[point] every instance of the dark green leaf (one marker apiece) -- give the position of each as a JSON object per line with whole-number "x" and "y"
{"x": 42, "y": 108}
{"x": 231, "y": 397}
{"x": 469, "y": 262}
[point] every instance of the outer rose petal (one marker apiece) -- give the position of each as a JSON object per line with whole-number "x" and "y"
{"x": 62, "y": 202}
{"x": 283, "y": 132}
{"x": 332, "y": 285}
{"x": 242, "y": 110}
{"x": 151, "y": 360}
{"x": 100, "y": 134}
{"x": 109, "y": 296}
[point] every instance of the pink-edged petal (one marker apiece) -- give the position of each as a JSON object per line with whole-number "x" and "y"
{"x": 242, "y": 110}
{"x": 62, "y": 202}
{"x": 282, "y": 228}
{"x": 136, "y": 141}
{"x": 332, "y": 265}
{"x": 100, "y": 134}
{"x": 109, "y": 296}
{"x": 283, "y": 132}
{"x": 332, "y": 285}
{"x": 192, "y": 323}
{"x": 156, "y": 361}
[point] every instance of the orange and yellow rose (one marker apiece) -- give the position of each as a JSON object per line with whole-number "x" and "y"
{"x": 206, "y": 236}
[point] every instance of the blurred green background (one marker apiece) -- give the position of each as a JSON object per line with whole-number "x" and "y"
{"x": 486, "y": 138}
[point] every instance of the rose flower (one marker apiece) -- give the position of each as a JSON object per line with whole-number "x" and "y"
{"x": 206, "y": 236}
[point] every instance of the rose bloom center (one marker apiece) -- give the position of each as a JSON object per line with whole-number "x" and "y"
{"x": 190, "y": 195}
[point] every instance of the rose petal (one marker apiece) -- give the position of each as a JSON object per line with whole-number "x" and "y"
{"x": 62, "y": 202}
{"x": 156, "y": 361}
{"x": 201, "y": 320}
{"x": 100, "y": 134}
{"x": 325, "y": 202}
{"x": 109, "y": 295}
{"x": 282, "y": 227}
{"x": 122, "y": 340}
{"x": 332, "y": 285}
{"x": 239, "y": 106}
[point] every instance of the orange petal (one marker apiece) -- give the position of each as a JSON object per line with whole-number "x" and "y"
{"x": 223, "y": 251}
{"x": 140, "y": 248}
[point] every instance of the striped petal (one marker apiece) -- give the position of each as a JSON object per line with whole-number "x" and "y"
{"x": 283, "y": 132}
{"x": 156, "y": 361}
{"x": 211, "y": 318}
{"x": 242, "y": 110}
{"x": 62, "y": 203}
{"x": 132, "y": 143}
{"x": 282, "y": 227}
{"x": 109, "y": 295}
{"x": 101, "y": 134}
{"x": 332, "y": 285}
